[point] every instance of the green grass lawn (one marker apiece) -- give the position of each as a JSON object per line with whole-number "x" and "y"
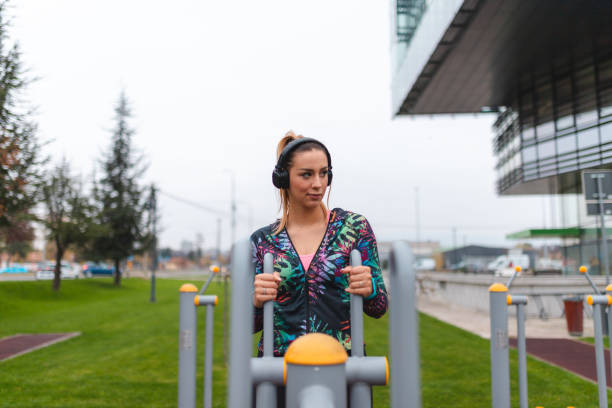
{"x": 127, "y": 353}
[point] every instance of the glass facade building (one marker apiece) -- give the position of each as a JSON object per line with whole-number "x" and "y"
{"x": 545, "y": 66}
{"x": 557, "y": 124}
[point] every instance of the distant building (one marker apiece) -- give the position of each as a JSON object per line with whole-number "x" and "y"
{"x": 186, "y": 247}
{"x": 471, "y": 258}
{"x": 422, "y": 249}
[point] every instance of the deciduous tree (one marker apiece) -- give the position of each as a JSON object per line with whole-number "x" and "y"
{"x": 68, "y": 217}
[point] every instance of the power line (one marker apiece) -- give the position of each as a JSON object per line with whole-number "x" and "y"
{"x": 194, "y": 204}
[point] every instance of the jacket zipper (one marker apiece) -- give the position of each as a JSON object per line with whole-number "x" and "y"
{"x": 306, "y": 271}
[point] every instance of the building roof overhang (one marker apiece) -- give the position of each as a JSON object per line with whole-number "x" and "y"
{"x": 489, "y": 47}
{"x": 539, "y": 233}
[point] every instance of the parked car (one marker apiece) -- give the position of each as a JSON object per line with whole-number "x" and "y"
{"x": 14, "y": 268}
{"x": 97, "y": 268}
{"x": 68, "y": 271}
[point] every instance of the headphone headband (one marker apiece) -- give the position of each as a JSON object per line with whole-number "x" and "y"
{"x": 294, "y": 144}
{"x": 280, "y": 175}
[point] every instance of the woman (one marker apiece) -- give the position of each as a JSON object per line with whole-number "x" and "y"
{"x": 312, "y": 279}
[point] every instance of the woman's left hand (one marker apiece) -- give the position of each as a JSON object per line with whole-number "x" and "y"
{"x": 360, "y": 280}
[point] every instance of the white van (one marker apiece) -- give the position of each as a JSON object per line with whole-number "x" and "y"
{"x": 504, "y": 265}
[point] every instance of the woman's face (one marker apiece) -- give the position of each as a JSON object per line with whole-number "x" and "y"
{"x": 308, "y": 178}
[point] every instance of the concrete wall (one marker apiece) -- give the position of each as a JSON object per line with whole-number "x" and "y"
{"x": 545, "y": 293}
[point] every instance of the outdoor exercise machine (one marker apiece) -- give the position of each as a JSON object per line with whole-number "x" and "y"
{"x": 190, "y": 299}
{"x": 499, "y": 300}
{"x": 316, "y": 369}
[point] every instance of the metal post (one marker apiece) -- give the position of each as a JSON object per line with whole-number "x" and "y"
{"x": 500, "y": 364}
{"x": 266, "y": 391}
{"x": 520, "y": 302}
{"x": 154, "y": 248}
{"x": 187, "y": 347}
{"x": 208, "y": 356}
{"x": 517, "y": 270}
{"x": 241, "y": 321}
{"x": 583, "y": 270}
{"x": 360, "y": 393}
{"x": 604, "y": 239}
{"x": 404, "y": 330}
{"x": 609, "y": 293}
{"x": 522, "y": 355}
{"x": 597, "y": 301}
{"x": 316, "y": 364}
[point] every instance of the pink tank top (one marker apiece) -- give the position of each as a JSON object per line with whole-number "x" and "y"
{"x": 307, "y": 259}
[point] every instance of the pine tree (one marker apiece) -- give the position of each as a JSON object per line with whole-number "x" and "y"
{"x": 19, "y": 149}
{"x": 119, "y": 195}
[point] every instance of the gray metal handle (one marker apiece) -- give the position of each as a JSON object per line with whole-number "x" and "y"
{"x": 268, "y": 309}
{"x": 360, "y": 393}
{"x": 356, "y": 314}
{"x": 403, "y": 330}
{"x": 266, "y": 391}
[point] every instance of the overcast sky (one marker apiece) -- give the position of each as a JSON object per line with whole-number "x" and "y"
{"x": 214, "y": 85}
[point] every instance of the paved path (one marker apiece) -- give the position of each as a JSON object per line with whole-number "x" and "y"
{"x": 13, "y": 346}
{"x": 547, "y": 340}
{"x": 572, "y": 355}
{"x": 478, "y": 322}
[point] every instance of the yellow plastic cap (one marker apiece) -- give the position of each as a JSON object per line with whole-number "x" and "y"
{"x": 518, "y": 269}
{"x": 609, "y": 288}
{"x": 214, "y": 269}
{"x": 196, "y": 301}
{"x": 188, "y": 287}
{"x": 582, "y": 269}
{"x": 509, "y": 300}
{"x": 216, "y": 300}
{"x": 590, "y": 300}
{"x": 315, "y": 349}
{"x": 498, "y": 287}
{"x": 609, "y": 300}
{"x": 387, "y": 377}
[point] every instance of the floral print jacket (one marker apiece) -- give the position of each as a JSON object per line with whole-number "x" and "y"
{"x": 315, "y": 300}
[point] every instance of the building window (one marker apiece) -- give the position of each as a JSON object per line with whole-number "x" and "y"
{"x": 546, "y": 149}
{"x": 588, "y": 138}
{"x": 606, "y": 133}
{"x": 409, "y": 14}
{"x": 566, "y": 144}
{"x": 529, "y": 154}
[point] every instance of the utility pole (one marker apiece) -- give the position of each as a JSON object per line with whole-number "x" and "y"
{"x": 218, "y": 254}
{"x": 455, "y": 262}
{"x": 418, "y": 225}
{"x": 153, "y": 209}
{"x": 225, "y": 277}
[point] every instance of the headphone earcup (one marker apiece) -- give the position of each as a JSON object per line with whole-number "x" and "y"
{"x": 280, "y": 178}
{"x": 330, "y": 175}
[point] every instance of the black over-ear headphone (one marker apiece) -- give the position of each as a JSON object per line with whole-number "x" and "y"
{"x": 280, "y": 174}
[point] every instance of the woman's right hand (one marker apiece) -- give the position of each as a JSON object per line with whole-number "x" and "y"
{"x": 266, "y": 286}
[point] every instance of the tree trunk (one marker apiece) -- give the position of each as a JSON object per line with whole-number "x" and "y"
{"x": 117, "y": 273}
{"x": 59, "y": 254}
